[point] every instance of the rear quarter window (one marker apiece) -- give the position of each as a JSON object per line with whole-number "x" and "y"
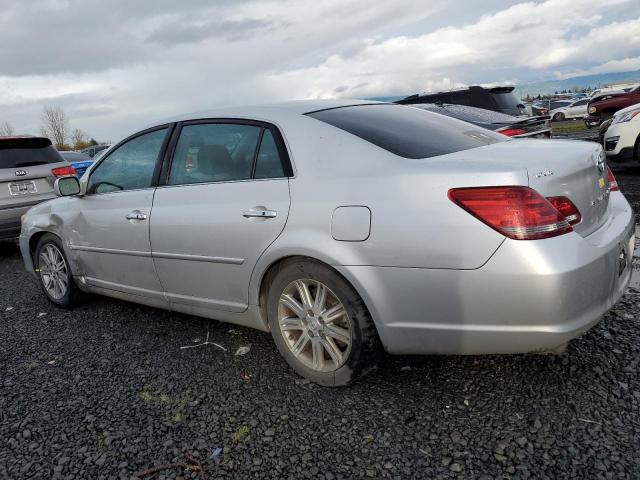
{"x": 407, "y": 131}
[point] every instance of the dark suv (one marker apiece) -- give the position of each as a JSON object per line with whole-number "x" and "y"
{"x": 29, "y": 167}
{"x": 498, "y": 99}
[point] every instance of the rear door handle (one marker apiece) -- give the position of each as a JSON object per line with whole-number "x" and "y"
{"x": 260, "y": 214}
{"x": 136, "y": 216}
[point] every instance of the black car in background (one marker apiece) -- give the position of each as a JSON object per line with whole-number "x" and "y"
{"x": 498, "y": 122}
{"x": 498, "y": 99}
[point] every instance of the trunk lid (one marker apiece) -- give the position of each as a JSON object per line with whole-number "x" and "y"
{"x": 576, "y": 170}
{"x": 571, "y": 168}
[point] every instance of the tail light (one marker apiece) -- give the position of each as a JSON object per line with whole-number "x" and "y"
{"x": 510, "y": 132}
{"x": 613, "y": 183}
{"x": 516, "y": 212}
{"x": 67, "y": 171}
{"x": 567, "y": 209}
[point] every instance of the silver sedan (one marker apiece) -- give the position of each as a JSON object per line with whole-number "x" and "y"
{"x": 344, "y": 228}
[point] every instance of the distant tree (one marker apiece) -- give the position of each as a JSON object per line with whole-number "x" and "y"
{"x": 54, "y": 125}
{"x": 93, "y": 142}
{"x": 79, "y": 139}
{"x": 6, "y": 129}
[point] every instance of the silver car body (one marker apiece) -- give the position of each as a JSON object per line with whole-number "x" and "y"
{"x": 434, "y": 278}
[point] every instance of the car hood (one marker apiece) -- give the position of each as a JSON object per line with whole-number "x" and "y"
{"x": 635, "y": 106}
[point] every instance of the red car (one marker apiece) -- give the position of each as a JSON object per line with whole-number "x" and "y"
{"x": 605, "y": 105}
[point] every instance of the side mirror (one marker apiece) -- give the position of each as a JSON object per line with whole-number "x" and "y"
{"x": 66, "y": 186}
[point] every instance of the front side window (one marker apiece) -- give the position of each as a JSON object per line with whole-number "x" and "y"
{"x": 130, "y": 166}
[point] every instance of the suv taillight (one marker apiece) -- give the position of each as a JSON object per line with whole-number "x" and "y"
{"x": 67, "y": 171}
{"x": 510, "y": 132}
{"x": 613, "y": 183}
{"x": 566, "y": 208}
{"x": 516, "y": 212}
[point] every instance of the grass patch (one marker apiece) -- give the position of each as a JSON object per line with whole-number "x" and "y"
{"x": 572, "y": 126}
{"x": 242, "y": 433}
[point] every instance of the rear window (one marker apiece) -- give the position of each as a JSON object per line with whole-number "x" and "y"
{"x": 406, "y": 131}
{"x": 506, "y": 100}
{"x": 27, "y": 152}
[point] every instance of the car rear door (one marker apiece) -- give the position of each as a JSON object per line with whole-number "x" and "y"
{"x": 225, "y": 200}
{"x": 109, "y": 235}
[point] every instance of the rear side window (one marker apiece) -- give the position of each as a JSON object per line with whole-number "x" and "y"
{"x": 406, "y": 131}
{"x": 224, "y": 152}
{"x": 27, "y": 152}
{"x": 268, "y": 163}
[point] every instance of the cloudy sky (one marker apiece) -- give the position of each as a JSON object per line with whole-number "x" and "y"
{"x": 116, "y": 65}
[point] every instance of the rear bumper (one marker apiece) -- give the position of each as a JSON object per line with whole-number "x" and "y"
{"x": 9, "y": 229}
{"x": 10, "y": 219}
{"x": 529, "y": 297}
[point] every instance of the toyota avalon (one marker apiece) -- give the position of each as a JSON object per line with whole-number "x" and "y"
{"x": 344, "y": 228}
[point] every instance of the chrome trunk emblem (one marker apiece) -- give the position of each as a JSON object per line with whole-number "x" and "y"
{"x": 20, "y": 173}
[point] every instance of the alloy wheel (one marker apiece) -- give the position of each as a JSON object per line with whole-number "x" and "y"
{"x": 315, "y": 325}
{"x": 53, "y": 271}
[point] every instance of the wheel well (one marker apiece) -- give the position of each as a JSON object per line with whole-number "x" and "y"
{"x": 33, "y": 242}
{"x": 273, "y": 270}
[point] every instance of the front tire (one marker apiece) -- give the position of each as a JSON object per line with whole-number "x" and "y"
{"x": 54, "y": 272}
{"x": 558, "y": 117}
{"x": 320, "y": 324}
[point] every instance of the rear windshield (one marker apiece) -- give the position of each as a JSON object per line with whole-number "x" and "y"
{"x": 507, "y": 101}
{"x": 27, "y": 152}
{"x": 407, "y": 131}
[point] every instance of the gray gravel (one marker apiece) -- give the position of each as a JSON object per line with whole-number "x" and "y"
{"x": 104, "y": 391}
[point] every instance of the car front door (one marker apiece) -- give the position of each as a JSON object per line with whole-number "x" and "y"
{"x": 225, "y": 200}
{"x": 109, "y": 237}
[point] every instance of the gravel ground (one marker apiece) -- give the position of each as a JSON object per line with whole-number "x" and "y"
{"x": 104, "y": 391}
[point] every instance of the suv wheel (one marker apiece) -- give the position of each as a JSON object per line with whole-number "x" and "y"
{"x": 320, "y": 324}
{"x": 54, "y": 272}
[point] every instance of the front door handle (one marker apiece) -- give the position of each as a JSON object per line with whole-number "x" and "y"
{"x": 260, "y": 213}
{"x": 136, "y": 216}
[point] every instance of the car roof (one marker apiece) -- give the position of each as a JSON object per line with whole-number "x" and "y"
{"x": 273, "y": 110}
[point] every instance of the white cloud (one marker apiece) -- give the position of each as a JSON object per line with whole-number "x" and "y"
{"x": 528, "y": 36}
{"x": 115, "y": 65}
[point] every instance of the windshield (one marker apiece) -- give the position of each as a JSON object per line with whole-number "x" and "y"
{"x": 407, "y": 131}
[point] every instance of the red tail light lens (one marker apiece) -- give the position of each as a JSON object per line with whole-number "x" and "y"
{"x": 510, "y": 132}
{"x": 567, "y": 209}
{"x": 67, "y": 171}
{"x": 516, "y": 212}
{"x": 613, "y": 183}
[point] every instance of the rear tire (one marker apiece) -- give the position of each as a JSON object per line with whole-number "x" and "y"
{"x": 558, "y": 117}
{"x": 54, "y": 272}
{"x": 329, "y": 338}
